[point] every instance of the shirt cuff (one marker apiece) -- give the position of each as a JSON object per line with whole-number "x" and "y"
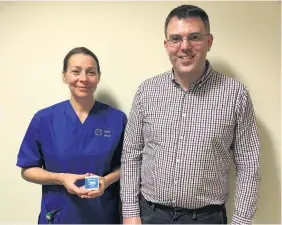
{"x": 236, "y": 220}
{"x": 130, "y": 210}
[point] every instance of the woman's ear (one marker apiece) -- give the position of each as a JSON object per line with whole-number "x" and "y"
{"x": 64, "y": 77}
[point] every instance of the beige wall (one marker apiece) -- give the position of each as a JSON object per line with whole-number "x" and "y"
{"x": 128, "y": 39}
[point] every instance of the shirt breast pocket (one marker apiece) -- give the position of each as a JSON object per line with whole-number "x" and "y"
{"x": 216, "y": 123}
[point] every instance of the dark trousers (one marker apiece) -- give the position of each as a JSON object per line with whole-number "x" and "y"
{"x": 157, "y": 214}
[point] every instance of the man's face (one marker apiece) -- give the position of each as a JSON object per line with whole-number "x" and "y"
{"x": 187, "y": 57}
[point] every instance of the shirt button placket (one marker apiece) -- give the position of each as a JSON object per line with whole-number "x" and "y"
{"x": 178, "y": 154}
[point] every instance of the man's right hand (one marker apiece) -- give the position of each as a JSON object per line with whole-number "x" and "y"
{"x": 132, "y": 220}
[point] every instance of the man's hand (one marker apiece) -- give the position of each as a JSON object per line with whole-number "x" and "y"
{"x": 132, "y": 220}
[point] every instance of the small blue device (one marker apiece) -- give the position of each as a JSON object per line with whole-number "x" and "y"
{"x": 92, "y": 183}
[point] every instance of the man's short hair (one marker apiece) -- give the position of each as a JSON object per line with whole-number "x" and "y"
{"x": 186, "y": 11}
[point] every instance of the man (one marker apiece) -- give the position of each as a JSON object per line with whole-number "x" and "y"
{"x": 185, "y": 127}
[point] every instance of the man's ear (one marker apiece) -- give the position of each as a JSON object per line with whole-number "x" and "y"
{"x": 210, "y": 41}
{"x": 166, "y": 44}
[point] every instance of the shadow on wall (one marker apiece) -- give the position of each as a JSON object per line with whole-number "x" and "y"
{"x": 106, "y": 97}
{"x": 269, "y": 205}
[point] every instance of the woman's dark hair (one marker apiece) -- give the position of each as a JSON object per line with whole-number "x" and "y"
{"x": 80, "y": 50}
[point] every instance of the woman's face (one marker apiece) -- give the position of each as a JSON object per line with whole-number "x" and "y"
{"x": 82, "y": 75}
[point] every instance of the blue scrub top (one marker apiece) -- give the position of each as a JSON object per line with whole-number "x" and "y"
{"x": 57, "y": 141}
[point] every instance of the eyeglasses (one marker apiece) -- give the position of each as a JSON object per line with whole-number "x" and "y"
{"x": 193, "y": 38}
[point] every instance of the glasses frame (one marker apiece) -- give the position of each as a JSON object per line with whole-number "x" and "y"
{"x": 191, "y": 42}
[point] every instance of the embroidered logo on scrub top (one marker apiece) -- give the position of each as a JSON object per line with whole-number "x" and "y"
{"x": 99, "y": 132}
{"x": 107, "y": 133}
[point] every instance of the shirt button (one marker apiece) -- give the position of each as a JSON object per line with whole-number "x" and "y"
{"x": 184, "y": 114}
{"x": 181, "y": 137}
{"x": 175, "y": 182}
{"x": 178, "y": 160}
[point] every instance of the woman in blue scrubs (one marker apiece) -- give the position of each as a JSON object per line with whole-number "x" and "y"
{"x": 71, "y": 140}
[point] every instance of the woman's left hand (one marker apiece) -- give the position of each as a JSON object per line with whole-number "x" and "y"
{"x": 96, "y": 193}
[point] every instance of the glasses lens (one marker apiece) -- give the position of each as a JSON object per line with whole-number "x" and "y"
{"x": 175, "y": 40}
{"x": 195, "y": 37}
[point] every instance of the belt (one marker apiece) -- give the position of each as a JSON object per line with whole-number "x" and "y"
{"x": 208, "y": 208}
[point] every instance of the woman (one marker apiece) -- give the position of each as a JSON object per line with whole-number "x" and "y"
{"x": 71, "y": 140}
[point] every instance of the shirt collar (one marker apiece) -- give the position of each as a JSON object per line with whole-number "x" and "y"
{"x": 207, "y": 74}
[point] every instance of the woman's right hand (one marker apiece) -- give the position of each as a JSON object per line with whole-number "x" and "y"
{"x": 68, "y": 180}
